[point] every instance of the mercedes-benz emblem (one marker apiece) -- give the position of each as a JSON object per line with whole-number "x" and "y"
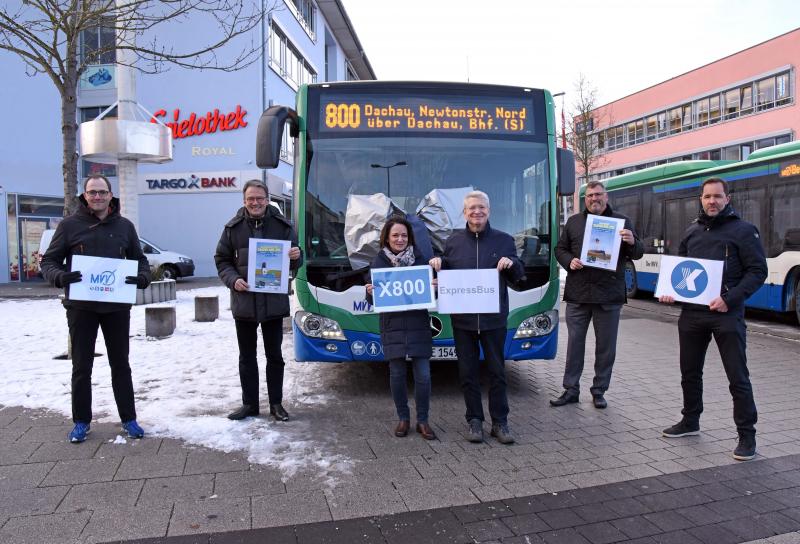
{"x": 436, "y": 326}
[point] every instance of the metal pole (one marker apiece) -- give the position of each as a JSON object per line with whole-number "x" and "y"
{"x": 127, "y": 172}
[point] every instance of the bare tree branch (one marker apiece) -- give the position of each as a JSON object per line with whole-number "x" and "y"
{"x": 582, "y": 126}
{"x": 46, "y": 35}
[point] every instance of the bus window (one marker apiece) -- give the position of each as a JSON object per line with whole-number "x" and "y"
{"x": 785, "y": 214}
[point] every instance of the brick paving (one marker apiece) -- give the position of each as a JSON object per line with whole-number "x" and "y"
{"x": 576, "y": 474}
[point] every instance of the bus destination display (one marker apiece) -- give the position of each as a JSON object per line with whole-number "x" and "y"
{"x": 381, "y": 113}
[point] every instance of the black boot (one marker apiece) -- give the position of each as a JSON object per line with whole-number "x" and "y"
{"x": 243, "y": 412}
{"x": 277, "y": 412}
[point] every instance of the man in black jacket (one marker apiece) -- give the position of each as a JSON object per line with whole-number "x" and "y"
{"x": 595, "y": 295}
{"x": 480, "y": 246}
{"x": 719, "y": 234}
{"x": 256, "y": 219}
{"x": 97, "y": 229}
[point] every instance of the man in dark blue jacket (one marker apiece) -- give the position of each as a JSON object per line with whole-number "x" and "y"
{"x": 256, "y": 219}
{"x": 97, "y": 229}
{"x": 593, "y": 295}
{"x": 719, "y": 234}
{"x": 475, "y": 247}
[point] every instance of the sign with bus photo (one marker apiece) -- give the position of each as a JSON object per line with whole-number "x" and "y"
{"x": 402, "y": 288}
{"x": 268, "y": 265}
{"x": 601, "y": 242}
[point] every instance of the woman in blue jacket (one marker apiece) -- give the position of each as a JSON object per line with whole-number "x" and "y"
{"x": 406, "y": 336}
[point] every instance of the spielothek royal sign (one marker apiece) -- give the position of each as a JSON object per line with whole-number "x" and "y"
{"x": 195, "y": 124}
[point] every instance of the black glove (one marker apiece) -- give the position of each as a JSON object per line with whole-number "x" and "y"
{"x": 140, "y": 281}
{"x": 65, "y": 278}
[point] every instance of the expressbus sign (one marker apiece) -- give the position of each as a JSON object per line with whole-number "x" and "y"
{"x": 383, "y": 113}
{"x": 207, "y": 123}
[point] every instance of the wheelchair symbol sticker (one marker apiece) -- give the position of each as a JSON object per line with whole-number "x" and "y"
{"x": 689, "y": 279}
{"x": 358, "y": 347}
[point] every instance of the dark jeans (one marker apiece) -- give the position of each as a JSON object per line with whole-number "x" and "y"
{"x": 695, "y": 329}
{"x": 605, "y": 319}
{"x": 83, "y": 326}
{"x": 422, "y": 387}
{"x": 247, "y": 335}
{"x": 468, "y": 344}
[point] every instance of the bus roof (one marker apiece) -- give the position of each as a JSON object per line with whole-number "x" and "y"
{"x": 683, "y": 169}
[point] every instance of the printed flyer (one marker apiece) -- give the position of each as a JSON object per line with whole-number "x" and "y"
{"x": 601, "y": 241}
{"x": 268, "y": 265}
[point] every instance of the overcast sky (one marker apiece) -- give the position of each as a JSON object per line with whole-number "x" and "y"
{"x": 622, "y": 46}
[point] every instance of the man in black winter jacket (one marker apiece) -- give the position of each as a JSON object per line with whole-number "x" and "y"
{"x": 256, "y": 219}
{"x": 592, "y": 295}
{"x": 719, "y": 234}
{"x": 480, "y": 246}
{"x": 97, "y": 229}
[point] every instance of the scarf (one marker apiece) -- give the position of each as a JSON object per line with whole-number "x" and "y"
{"x": 404, "y": 258}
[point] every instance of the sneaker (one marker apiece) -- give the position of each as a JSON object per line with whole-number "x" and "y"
{"x": 746, "y": 449}
{"x": 79, "y": 432}
{"x": 475, "y": 430}
{"x": 502, "y": 433}
{"x": 278, "y": 413}
{"x": 681, "y": 429}
{"x": 133, "y": 429}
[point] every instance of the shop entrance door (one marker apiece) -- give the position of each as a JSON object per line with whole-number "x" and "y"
{"x": 30, "y": 234}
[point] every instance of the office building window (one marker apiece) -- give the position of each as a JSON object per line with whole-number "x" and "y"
{"x": 765, "y": 90}
{"x": 349, "y": 72}
{"x": 287, "y": 146}
{"x": 687, "y": 117}
{"x": 782, "y": 95}
{"x": 287, "y": 61}
{"x": 674, "y": 120}
{"x": 97, "y": 45}
{"x": 305, "y": 12}
{"x": 702, "y": 112}
{"x": 746, "y": 99}
{"x": 651, "y": 127}
{"x": 713, "y": 109}
{"x": 731, "y": 104}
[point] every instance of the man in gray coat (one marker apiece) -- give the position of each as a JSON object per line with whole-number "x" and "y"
{"x": 256, "y": 219}
{"x": 595, "y": 295}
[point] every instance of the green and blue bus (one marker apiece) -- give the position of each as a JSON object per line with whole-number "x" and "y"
{"x": 404, "y": 140}
{"x": 765, "y": 190}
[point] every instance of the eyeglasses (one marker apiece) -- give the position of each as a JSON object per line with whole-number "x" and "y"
{"x": 98, "y": 193}
{"x": 255, "y": 199}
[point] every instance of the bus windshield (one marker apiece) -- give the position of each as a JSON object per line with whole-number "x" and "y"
{"x": 346, "y": 157}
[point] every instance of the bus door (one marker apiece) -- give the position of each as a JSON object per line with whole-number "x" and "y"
{"x": 678, "y": 215}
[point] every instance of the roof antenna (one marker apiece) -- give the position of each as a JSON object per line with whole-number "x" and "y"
{"x": 467, "y": 68}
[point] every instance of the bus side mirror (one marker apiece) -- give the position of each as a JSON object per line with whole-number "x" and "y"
{"x": 565, "y": 160}
{"x": 269, "y": 135}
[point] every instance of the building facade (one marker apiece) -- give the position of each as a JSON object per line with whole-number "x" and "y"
{"x": 213, "y": 116}
{"x": 724, "y": 110}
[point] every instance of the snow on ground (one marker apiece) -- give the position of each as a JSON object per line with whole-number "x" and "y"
{"x": 185, "y": 384}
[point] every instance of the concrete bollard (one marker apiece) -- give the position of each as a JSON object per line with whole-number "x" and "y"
{"x": 206, "y": 308}
{"x": 159, "y": 321}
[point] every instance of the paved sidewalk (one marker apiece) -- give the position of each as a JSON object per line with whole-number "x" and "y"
{"x": 53, "y": 491}
{"x": 729, "y": 504}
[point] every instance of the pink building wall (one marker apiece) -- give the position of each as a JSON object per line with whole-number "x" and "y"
{"x": 744, "y": 66}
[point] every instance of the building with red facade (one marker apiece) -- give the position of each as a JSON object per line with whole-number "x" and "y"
{"x": 721, "y": 111}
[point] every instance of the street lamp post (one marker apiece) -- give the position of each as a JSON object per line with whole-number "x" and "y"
{"x": 388, "y": 178}
{"x": 563, "y": 124}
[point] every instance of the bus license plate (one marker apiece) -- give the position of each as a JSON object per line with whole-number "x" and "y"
{"x": 444, "y": 352}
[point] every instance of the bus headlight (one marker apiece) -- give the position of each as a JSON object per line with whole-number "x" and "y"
{"x": 318, "y": 326}
{"x": 537, "y": 325}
